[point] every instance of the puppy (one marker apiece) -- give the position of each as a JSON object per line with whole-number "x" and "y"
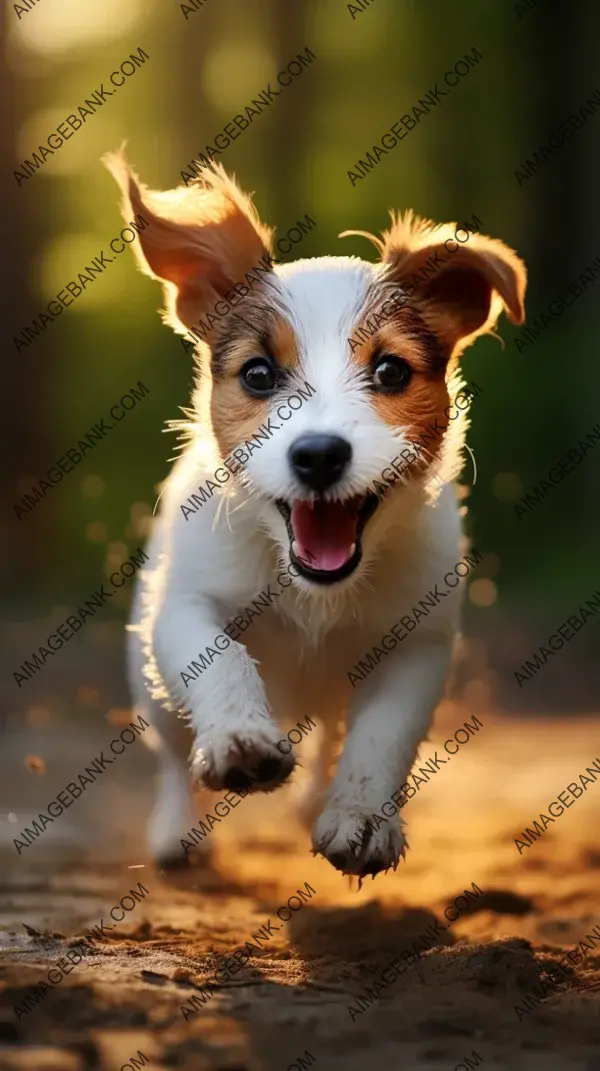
{"x": 305, "y": 497}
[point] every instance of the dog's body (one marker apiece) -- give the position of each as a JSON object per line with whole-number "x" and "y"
{"x": 306, "y": 490}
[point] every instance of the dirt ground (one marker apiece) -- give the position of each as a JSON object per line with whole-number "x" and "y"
{"x": 459, "y": 998}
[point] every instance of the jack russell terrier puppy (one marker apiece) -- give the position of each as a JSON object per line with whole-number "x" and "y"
{"x": 304, "y": 502}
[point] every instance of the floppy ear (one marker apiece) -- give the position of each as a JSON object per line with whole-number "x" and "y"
{"x": 200, "y": 239}
{"x": 459, "y": 289}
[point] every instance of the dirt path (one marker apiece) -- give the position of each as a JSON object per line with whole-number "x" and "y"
{"x": 457, "y": 998}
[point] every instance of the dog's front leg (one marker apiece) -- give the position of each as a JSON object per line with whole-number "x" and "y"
{"x": 390, "y": 715}
{"x": 236, "y": 739}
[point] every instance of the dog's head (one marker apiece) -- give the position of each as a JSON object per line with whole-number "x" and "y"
{"x": 350, "y": 361}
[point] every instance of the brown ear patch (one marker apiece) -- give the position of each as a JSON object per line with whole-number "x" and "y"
{"x": 463, "y": 294}
{"x": 459, "y": 286}
{"x": 201, "y": 239}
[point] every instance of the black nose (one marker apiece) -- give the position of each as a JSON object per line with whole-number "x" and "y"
{"x": 319, "y": 460}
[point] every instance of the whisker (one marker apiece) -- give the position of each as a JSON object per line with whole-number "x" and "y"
{"x": 218, "y": 511}
{"x": 227, "y": 501}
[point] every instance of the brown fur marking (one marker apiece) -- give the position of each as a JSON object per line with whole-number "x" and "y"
{"x": 236, "y": 415}
{"x": 464, "y": 298}
{"x": 426, "y": 395}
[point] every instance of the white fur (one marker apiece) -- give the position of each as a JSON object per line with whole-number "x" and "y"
{"x": 294, "y": 660}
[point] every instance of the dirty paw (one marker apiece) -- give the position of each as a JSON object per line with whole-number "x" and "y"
{"x": 353, "y": 845}
{"x": 242, "y": 759}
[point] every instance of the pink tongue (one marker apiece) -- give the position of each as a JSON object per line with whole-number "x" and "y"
{"x": 327, "y": 530}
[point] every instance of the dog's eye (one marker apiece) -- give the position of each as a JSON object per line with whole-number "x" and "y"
{"x": 258, "y": 376}
{"x": 391, "y": 374}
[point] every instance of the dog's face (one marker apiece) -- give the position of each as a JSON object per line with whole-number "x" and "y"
{"x": 335, "y": 364}
{"x": 361, "y": 402}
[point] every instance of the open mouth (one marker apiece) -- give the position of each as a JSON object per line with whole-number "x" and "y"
{"x": 325, "y": 537}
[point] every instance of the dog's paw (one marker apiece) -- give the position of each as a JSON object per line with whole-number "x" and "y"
{"x": 239, "y": 759}
{"x": 353, "y": 845}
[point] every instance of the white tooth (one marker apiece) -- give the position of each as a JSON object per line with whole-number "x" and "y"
{"x": 352, "y": 549}
{"x": 296, "y": 548}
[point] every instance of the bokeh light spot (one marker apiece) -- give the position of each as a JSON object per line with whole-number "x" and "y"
{"x": 64, "y": 25}
{"x": 96, "y": 532}
{"x": 119, "y": 716}
{"x": 38, "y": 716}
{"x": 93, "y": 486}
{"x": 139, "y": 509}
{"x": 483, "y": 592}
{"x": 35, "y": 764}
{"x": 87, "y": 695}
{"x": 249, "y": 67}
{"x": 116, "y": 555}
{"x": 141, "y": 521}
{"x": 507, "y": 486}
{"x": 66, "y": 256}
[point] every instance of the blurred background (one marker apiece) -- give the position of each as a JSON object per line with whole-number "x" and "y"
{"x": 204, "y": 66}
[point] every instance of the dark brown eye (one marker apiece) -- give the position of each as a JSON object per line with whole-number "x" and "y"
{"x": 391, "y": 375}
{"x": 258, "y": 377}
